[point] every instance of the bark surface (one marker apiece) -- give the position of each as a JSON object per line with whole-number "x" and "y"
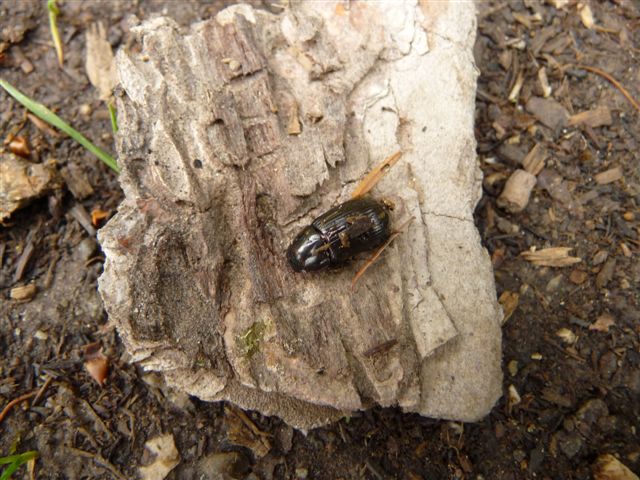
{"x": 237, "y": 132}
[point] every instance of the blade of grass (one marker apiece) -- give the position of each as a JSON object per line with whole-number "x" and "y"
{"x": 22, "y": 457}
{"x": 15, "y": 462}
{"x": 48, "y": 116}
{"x": 112, "y": 116}
{"x": 53, "y": 24}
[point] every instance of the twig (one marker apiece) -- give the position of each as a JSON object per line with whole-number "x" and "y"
{"x": 14, "y": 402}
{"x": 44, "y": 386}
{"x": 614, "y": 82}
{"x": 99, "y": 460}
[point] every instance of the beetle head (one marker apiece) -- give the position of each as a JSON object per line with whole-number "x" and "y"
{"x": 309, "y": 251}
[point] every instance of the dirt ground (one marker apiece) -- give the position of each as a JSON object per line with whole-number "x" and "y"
{"x": 571, "y": 345}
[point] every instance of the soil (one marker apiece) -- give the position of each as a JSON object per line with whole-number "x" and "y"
{"x": 571, "y": 346}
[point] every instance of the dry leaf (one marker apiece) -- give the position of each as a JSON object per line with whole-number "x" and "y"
{"x": 100, "y": 65}
{"x": 19, "y": 146}
{"x": 551, "y": 257}
{"x": 167, "y": 457}
{"x": 509, "y": 302}
{"x": 608, "y": 467}
{"x": 242, "y": 431}
{"x": 96, "y": 364}
{"x": 602, "y": 323}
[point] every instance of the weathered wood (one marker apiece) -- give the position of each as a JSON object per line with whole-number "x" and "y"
{"x": 239, "y": 131}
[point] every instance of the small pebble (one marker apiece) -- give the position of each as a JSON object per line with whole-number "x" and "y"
{"x": 570, "y": 444}
{"x": 536, "y": 356}
{"x": 85, "y": 110}
{"x": 512, "y": 366}
{"x": 628, "y": 216}
{"x": 302, "y": 473}
{"x": 86, "y": 248}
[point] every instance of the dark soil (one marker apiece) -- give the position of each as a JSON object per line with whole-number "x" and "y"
{"x": 570, "y": 395}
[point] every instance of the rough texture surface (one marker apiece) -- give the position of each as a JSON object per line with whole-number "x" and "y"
{"x": 239, "y": 131}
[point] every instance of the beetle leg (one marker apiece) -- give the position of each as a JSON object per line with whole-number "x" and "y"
{"x": 344, "y": 239}
{"x": 377, "y": 253}
{"x": 321, "y": 249}
{"x": 374, "y": 176}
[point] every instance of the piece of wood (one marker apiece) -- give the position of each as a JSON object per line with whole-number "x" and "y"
{"x": 219, "y": 178}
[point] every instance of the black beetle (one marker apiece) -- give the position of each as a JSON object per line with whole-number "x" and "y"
{"x": 357, "y": 225}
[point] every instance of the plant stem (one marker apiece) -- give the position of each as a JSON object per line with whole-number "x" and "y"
{"x": 48, "y": 116}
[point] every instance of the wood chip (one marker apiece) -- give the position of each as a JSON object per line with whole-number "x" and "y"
{"x": 606, "y": 273}
{"x": 609, "y": 176}
{"x": 599, "y": 257}
{"x": 534, "y": 161}
{"x": 548, "y": 111}
{"x": 293, "y": 124}
{"x": 509, "y": 302}
{"x": 567, "y": 336}
{"x": 551, "y": 257}
{"x": 515, "y": 195}
{"x": 77, "y": 182}
{"x": 544, "y": 82}
{"x": 82, "y": 217}
{"x": 608, "y": 467}
{"x": 23, "y": 292}
{"x": 602, "y": 323}
{"x": 517, "y": 86}
{"x": 593, "y": 118}
{"x": 586, "y": 15}
{"x": 100, "y": 64}
{"x": 626, "y": 251}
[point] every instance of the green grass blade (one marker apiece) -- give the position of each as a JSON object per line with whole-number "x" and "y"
{"x": 112, "y": 116}
{"x": 54, "y": 11}
{"x": 15, "y": 462}
{"x": 48, "y": 116}
{"x": 22, "y": 457}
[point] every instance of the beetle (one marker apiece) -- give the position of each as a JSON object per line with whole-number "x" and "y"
{"x": 355, "y": 226}
{"x": 361, "y": 224}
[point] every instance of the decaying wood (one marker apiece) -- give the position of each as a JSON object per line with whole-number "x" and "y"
{"x": 517, "y": 190}
{"x": 239, "y": 131}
